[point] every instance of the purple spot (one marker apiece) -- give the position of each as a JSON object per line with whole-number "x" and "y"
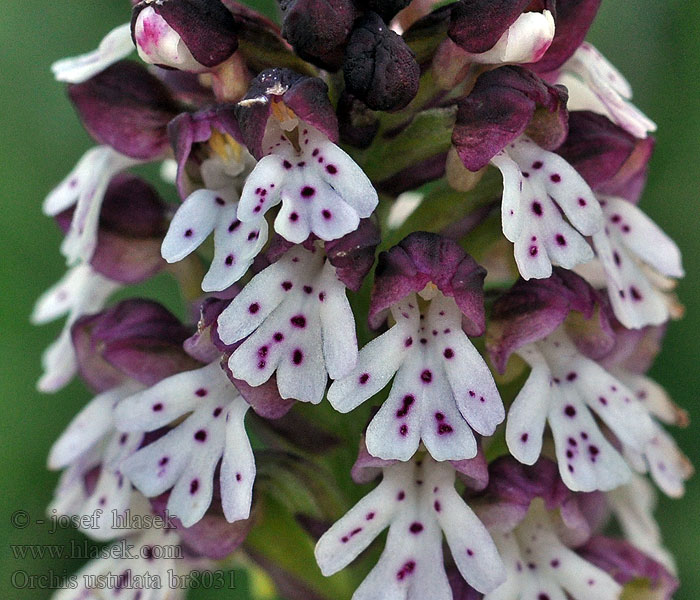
{"x": 408, "y": 400}
{"x": 555, "y": 178}
{"x": 403, "y": 430}
{"x": 217, "y": 412}
{"x": 416, "y": 527}
{"x": 123, "y": 438}
{"x": 278, "y": 337}
{"x": 287, "y": 165}
{"x": 470, "y": 552}
{"x": 582, "y": 202}
{"x": 201, "y": 392}
{"x": 524, "y": 437}
{"x": 294, "y": 217}
{"x": 571, "y": 376}
{"x": 219, "y": 201}
{"x": 444, "y": 428}
{"x": 570, "y": 411}
{"x": 326, "y": 214}
{"x": 253, "y": 308}
{"x": 331, "y": 169}
{"x": 322, "y": 296}
{"x": 401, "y": 495}
{"x": 537, "y": 164}
{"x": 426, "y": 376}
{"x": 537, "y": 208}
{"x": 448, "y": 353}
{"x": 635, "y": 294}
{"x": 543, "y": 596}
{"x": 194, "y": 486}
{"x": 369, "y": 516}
{"x": 573, "y": 442}
{"x": 603, "y": 400}
{"x": 157, "y": 407}
{"x": 229, "y": 260}
{"x": 408, "y": 342}
{"x": 238, "y": 477}
{"x": 298, "y": 321}
{"x": 308, "y": 289}
{"x": 302, "y": 163}
{"x": 234, "y": 225}
{"x": 253, "y": 235}
{"x": 437, "y": 506}
{"x": 189, "y": 233}
{"x": 406, "y": 570}
{"x": 561, "y": 240}
{"x": 315, "y": 152}
{"x": 297, "y": 357}
{"x": 555, "y": 563}
{"x": 163, "y": 461}
{"x": 533, "y": 250}
{"x": 201, "y": 435}
{"x": 307, "y": 191}
{"x": 364, "y": 378}
{"x": 287, "y": 285}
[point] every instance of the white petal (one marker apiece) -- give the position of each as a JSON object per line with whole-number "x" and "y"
{"x": 172, "y": 398}
{"x": 61, "y": 297}
{"x": 525, "y": 41}
{"x": 117, "y": 44}
{"x": 471, "y": 545}
{"x": 669, "y": 467}
{"x": 238, "y": 465}
{"x": 644, "y": 237}
{"x": 111, "y": 496}
{"x": 511, "y": 218}
{"x": 262, "y": 188}
{"x": 378, "y": 361}
{"x": 527, "y": 416}
{"x": 193, "y": 222}
{"x": 337, "y": 325}
{"x": 257, "y": 300}
{"x": 236, "y": 244}
{"x": 92, "y": 423}
{"x": 587, "y": 461}
{"x": 349, "y": 536}
{"x": 59, "y": 364}
{"x": 81, "y": 239}
{"x": 610, "y": 89}
{"x": 344, "y": 175}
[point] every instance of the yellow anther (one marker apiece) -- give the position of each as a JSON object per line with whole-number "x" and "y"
{"x": 286, "y": 117}
{"x": 225, "y": 146}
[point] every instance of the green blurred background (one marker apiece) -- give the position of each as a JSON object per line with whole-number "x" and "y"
{"x": 655, "y": 44}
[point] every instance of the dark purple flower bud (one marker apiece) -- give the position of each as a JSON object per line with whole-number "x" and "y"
{"x": 422, "y": 258}
{"x": 573, "y": 18}
{"x": 137, "y": 339}
{"x": 386, "y": 9}
{"x": 285, "y": 96}
{"x": 353, "y": 254}
{"x": 318, "y": 30}
{"x": 357, "y": 124}
{"x": 127, "y": 108}
{"x": 476, "y": 25}
{"x": 379, "y": 67}
{"x": 611, "y": 160}
{"x": 626, "y": 564}
{"x": 504, "y": 104}
{"x": 531, "y": 310}
{"x": 131, "y": 229}
{"x": 192, "y": 35}
{"x": 189, "y": 129}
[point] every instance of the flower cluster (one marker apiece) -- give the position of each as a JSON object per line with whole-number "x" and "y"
{"x": 519, "y": 297}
